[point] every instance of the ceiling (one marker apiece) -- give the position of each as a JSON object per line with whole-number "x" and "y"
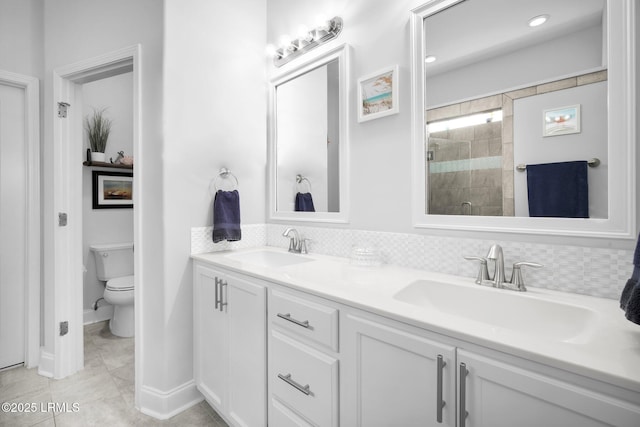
{"x": 479, "y": 29}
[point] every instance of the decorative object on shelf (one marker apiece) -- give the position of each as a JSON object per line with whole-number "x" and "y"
{"x": 98, "y": 128}
{"x": 290, "y": 49}
{"x": 378, "y": 94}
{"x": 561, "y": 121}
{"x": 91, "y": 163}
{"x": 112, "y": 190}
{"x": 122, "y": 159}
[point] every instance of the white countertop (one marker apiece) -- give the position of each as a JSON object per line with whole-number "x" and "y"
{"x": 609, "y": 351}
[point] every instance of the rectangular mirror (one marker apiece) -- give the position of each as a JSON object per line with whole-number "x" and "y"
{"x": 308, "y": 140}
{"x": 501, "y": 106}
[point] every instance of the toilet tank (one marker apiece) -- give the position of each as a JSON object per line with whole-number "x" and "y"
{"x": 113, "y": 260}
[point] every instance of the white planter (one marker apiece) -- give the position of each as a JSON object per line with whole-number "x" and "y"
{"x": 97, "y": 157}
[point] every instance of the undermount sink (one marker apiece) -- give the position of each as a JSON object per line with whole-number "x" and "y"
{"x": 502, "y": 309}
{"x": 269, "y": 258}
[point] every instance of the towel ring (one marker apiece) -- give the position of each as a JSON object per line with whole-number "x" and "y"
{"x": 592, "y": 163}
{"x": 224, "y": 175}
{"x": 300, "y": 179}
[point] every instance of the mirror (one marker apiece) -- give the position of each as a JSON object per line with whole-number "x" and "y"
{"x": 501, "y": 95}
{"x": 308, "y": 143}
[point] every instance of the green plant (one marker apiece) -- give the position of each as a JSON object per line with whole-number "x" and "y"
{"x": 98, "y": 128}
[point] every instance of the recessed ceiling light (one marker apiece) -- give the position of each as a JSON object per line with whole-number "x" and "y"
{"x": 538, "y": 20}
{"x": 429, "y": 59}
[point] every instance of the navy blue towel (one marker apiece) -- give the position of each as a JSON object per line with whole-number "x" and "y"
{"x": 226, "y": 216}
{"x": 304, "y": 203}
{"x": 630, "y": 298}
{"x": 558, "y": 190}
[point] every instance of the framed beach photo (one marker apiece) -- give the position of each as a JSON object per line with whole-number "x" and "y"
{"x": 561, "y": 121}
{"x": 378, "y": 94}
{"x": 112, "y": 190}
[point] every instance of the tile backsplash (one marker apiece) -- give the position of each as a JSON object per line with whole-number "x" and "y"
{"x": 599, "y": 272}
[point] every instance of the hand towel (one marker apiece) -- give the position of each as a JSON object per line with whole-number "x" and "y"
{"x": 226, "y": 216}
{"x": 304, "y": 203}
{"x": 630, "y": 298}
{"x": 558, "y": 190}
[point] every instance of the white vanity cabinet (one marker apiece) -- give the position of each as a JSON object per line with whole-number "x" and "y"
{"x": 303, "y": 360}
{"x": 230, "y": 344}
{"x": 495, "y": 393}
{"x": 394, "y": 376}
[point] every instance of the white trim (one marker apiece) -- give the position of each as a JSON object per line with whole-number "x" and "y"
{"x": 104, "y": 312}
{"x": 342, "y": 53}
{"x": 46, "y": 365}
{"x": 164, "y": 405}
{"x": 31, "y": 87}
{"x": 621, "y": 224}
{"x": 63, "y": 267}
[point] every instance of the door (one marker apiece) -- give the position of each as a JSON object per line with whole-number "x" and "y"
{"x": 497, "y": 394}
{"x": 392, "y": 377}
{"x": 210, "y": 337}
{"x": 13, "y": 217}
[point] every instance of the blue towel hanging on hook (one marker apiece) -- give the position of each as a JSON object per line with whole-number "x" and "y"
{"x": 226, "y": 216}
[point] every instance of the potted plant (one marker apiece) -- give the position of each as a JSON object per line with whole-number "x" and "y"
{"x": 98, "y": 128}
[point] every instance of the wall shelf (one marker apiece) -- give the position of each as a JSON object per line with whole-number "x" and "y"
{"x": 106, "y": 165}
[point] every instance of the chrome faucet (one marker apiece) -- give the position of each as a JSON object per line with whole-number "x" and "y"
{"x": 497, "y": 280}
{"x": 296, "y": 244}
{"x": 495, "y": 254}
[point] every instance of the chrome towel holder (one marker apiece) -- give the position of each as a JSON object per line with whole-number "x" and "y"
{"x": 224, "y": 175}
{"x": 300, "y": 179}
{"x": 592, "y": 163}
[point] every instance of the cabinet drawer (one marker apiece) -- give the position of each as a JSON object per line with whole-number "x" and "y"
{"x": 311, "y": 320}
{"x": 304, "y": 379}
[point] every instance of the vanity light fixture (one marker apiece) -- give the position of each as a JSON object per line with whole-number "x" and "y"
{"x": 292, "y": 48}
{"x": 538, "y": 20}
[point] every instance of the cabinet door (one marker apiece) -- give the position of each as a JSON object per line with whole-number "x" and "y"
{"x": 496, "y": 394}
{"x": 246, "y": 312}
{"x": 391, "y": 377}
{"x": 210, "y": 338}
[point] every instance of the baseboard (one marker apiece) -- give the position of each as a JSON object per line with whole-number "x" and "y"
{"x": 104, "y": 312}
{"x": 164, "y": 405}
{"x": 46, "y": 364}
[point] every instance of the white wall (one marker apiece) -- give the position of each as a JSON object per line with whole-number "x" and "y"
{"x": 530, "y": 147}
{"x": 214, "y": 94}
{"x": 21, "y": 36}
{"x": 101, "y": 226}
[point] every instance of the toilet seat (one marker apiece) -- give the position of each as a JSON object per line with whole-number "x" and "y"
{"x": 120, "y": 284}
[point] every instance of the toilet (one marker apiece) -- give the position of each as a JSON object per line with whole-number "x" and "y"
{"x": 114, "y": 265}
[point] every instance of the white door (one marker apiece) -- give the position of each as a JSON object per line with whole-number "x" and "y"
{"x": 13, "y": 217}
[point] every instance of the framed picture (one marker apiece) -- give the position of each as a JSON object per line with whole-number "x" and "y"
{"x": 112, "y": 190}
{"x": 378, "y": 94}
{"x": 561, "y": 121}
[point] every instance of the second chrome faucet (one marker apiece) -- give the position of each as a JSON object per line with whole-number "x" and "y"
{"x": 297, "y": 245}
{"x": 498, "y": 279}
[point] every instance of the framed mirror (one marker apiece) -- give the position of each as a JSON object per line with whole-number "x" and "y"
{"x": 497, "y": 102}
{"x": 308, "y": 145}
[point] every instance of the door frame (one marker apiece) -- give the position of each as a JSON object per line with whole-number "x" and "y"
{"x": 63, "y": 355}
{"x": 31, "y": 87}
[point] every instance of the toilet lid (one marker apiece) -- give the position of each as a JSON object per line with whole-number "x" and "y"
{"x": 124, "y": 283}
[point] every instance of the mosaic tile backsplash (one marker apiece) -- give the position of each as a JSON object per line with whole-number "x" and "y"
{"x": 599, "y": 272}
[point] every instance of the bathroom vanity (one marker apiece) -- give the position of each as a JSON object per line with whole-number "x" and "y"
{"x": 289, "y": 340}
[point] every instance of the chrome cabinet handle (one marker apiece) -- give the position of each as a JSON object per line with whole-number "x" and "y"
{"x": 304, "y": 324}
{"x": 223, "y": 284}
{"x": 292, "y": 383}
{"x": 439, "y": 402}
{"x": 463, "y": 395}
{"x": 217, "y": 281}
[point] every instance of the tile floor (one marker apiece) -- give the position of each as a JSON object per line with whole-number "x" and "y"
{"x": 104, "y": 391}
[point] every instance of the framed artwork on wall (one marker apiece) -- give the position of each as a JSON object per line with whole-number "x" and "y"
{"x": 112, "y": 190}
{"x": 378, "y": 94}
{"x": 561, "y": 121}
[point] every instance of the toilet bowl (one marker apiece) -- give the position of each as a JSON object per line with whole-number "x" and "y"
{"x": 119, "y": 293}
{"x": 114, "y": 266}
